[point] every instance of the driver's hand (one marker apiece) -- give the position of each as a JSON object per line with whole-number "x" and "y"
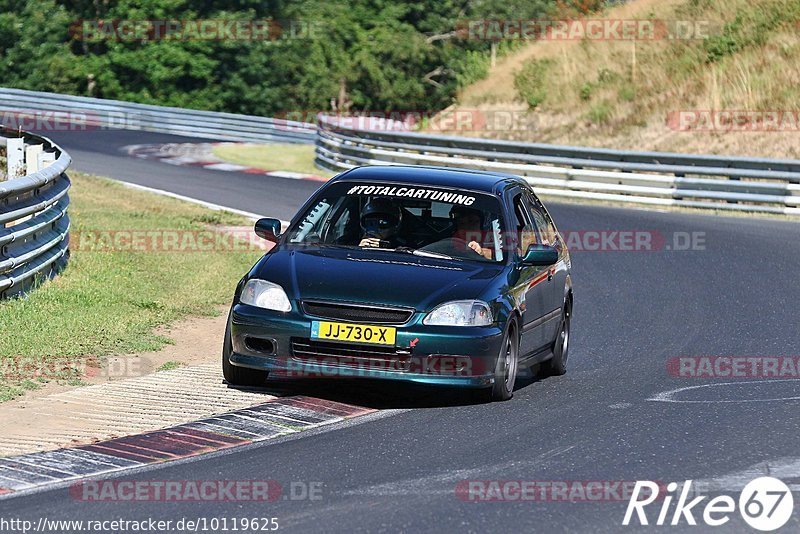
{"x": 476, "y": 247}
{"x": 370, "y": 242}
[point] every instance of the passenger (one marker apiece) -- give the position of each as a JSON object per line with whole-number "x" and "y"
{"x": 469, "y": 228}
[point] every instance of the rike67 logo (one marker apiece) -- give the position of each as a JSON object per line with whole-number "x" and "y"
{"x": 766, "y": 504}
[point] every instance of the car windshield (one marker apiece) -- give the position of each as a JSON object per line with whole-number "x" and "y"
{"x": 422, "y": 220}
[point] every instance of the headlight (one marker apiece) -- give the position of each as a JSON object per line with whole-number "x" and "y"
{"x": 265, "y": 295}
{"x": 460, "y": 313}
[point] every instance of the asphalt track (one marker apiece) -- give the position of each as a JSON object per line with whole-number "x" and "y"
{"x": 98, "y": 152}
{"x": 398, "y": 471}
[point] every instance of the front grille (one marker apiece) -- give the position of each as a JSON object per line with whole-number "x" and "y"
{"x": 357, "y": 313}
{"x": 351, "y": 356}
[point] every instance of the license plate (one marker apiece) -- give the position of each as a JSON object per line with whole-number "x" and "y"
{"x": 358, "y": 333}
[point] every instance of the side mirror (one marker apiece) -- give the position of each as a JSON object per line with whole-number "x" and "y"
{"x": 542, "y": 255}
{"x": 269, "y": 229}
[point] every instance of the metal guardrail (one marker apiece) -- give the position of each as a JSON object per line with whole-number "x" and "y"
{"x": 34, "y": 225}
{"x": 97, "y": 112}
{"x": 714, "y": 182}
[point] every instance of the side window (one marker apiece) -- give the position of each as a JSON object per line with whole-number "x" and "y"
{"x": 308, "y": 230}
{"x": 525, "y": 229}
{"x": 543, "y": 226}
{"x": 343, "y": 228}
{"x": 552, "y": 233}
{"x": 340, "y": 226}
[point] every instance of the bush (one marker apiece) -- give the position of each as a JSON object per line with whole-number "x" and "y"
{"x": 531, "y": 82}
{"x": 627, "y": 93}
{"x": 750, "y": 27}
{"x": 471, "y": 67}
{"x": 600, "y": 113}
{"x": 586, "y": 91}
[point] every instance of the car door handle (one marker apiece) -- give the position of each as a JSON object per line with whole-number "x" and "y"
{"x": 550, "y": 274}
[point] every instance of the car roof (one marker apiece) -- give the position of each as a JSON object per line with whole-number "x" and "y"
{"x": 467, "y": 179}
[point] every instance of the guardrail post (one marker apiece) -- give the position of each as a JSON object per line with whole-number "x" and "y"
{"x": 46, "y": 159}
{"x": 15, "y": 156}
{"x": 32, "y": 153}
{"x": 4, "y": 171}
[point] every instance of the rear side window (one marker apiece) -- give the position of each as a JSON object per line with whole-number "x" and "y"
{"x": 544, "y": 228}
{"x": 525, "y": 227}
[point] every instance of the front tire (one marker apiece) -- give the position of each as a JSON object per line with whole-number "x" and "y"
{"x": 505, "y": 372}
{"x": 235, "y": 375}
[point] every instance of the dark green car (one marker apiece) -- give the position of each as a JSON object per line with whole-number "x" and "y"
{"x": 430, "y": 275}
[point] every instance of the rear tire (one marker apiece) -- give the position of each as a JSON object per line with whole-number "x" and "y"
{"x": 235, "y": 375}
{"x": 557, "y": 365}
{"x": 505, "y": 372}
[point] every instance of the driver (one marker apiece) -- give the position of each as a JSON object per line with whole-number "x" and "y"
{"x": 380, "y": 221}
{"x": 469, "y": 228}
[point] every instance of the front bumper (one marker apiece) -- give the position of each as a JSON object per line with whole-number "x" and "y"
{"x": 447, "y": 356}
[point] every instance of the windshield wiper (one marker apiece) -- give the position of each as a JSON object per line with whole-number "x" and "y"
{"x": 415, "y": 252}
{"x": 423, "y": 253}
{"x": 427, "y": 254}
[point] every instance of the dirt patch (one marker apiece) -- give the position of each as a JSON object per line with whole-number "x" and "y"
{"x": 195, "y": 341}
{"x": 129, "y": 394}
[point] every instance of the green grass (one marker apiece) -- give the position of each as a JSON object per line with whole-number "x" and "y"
{"x": 111, "y": 302}
{"x": 169, "y": 366}
{"x": 272, "y": 157}
{"x": 600, "y": 113}
{"x": 12, "y": 391}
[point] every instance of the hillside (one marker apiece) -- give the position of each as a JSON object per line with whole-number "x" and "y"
{"x": 660, "y": 94}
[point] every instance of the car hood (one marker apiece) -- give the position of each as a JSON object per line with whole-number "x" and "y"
{"x": 374, "y": 276}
